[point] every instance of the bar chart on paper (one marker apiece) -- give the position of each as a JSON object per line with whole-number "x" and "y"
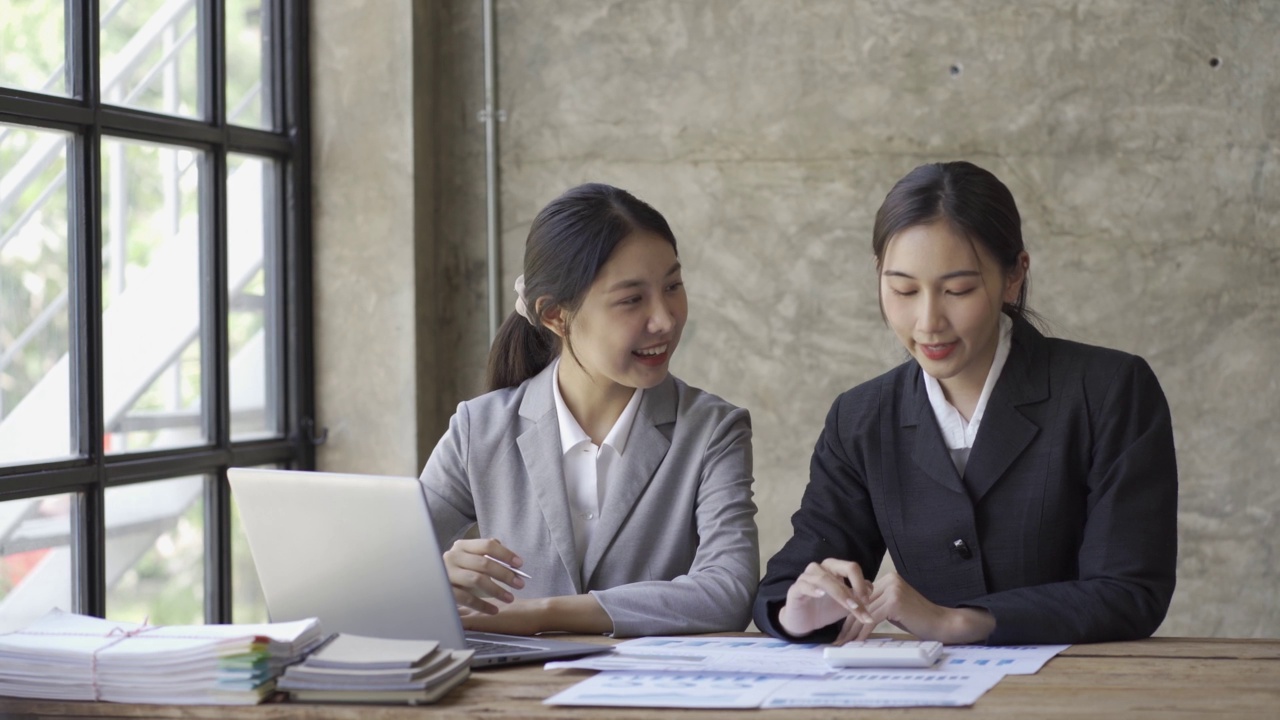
{"x": 884, "y": 689}
{"x": 672, "y": 690}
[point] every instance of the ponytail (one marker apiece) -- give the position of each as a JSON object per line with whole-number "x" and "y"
{"x": 519, "y": 352}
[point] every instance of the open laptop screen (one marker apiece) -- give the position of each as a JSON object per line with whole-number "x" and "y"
{"x": 359, "y": 552}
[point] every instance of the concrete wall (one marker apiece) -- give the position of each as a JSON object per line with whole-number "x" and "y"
{"x": 1141, "y": 139}
{"x": 374, "y": 199}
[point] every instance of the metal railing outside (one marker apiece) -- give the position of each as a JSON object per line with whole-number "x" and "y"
{"x": 161, "y": 28}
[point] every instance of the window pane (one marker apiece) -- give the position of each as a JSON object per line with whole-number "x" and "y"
{"x": 248, "y": 605}
{"x": 35, "y": 376}
{"x": 33, "y": 45}
{"x": 155, "y": 552}
{"x": 150, "y": 55}
{"x": 252, "y": 294}
{"x": 249, "y": 87}
{"x": 35, "y": 559}
{"x": 151, "y": 354}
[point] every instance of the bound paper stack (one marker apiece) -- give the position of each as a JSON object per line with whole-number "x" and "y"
{"x": 355, "y": 668}
{"x": 64, "y": 656}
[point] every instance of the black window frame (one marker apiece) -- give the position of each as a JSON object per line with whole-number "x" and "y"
{"x": 87, "y": 476}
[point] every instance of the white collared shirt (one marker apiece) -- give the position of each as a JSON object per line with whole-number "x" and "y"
{"x": 956, "y": 433}
{"x": 588, "y": 467}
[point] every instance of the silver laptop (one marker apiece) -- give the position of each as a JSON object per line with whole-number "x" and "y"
{"x": 359, "y": 552}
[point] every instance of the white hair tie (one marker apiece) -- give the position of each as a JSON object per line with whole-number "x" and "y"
{"x": 522, "y": 307}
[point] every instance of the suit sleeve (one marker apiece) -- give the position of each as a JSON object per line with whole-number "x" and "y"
{"x": 715, "y": 595}
{"x": 447, "y": 483}
{"x": 1128, "y": 551}
{"x": 835, "y": 520}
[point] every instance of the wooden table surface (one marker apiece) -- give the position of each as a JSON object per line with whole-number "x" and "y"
{"x": 1155, "y": 678}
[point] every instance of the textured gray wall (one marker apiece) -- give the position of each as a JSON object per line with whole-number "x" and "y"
{"x": 768, "y": 132}
{"x": 374, "y": 199}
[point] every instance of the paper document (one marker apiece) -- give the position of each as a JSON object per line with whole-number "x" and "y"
{"x": 1006, "y": 660}
{"x": 884, "y": 689}
{"x": 768, "y": 656}
{"x": 672, "y": 690}
{"x": 742, "y": 690}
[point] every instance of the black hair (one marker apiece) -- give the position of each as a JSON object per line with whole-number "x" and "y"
{"x": 569, "y": 242}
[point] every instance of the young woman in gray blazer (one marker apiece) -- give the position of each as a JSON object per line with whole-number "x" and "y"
{"x": 609, "y": 496}
{"x": 1025, "y": 487}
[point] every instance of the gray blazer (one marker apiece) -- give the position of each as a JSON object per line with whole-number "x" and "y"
{"x": 675, "y": 548}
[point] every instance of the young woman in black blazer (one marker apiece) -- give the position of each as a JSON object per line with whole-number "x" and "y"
{"x": 1025, "y": 487}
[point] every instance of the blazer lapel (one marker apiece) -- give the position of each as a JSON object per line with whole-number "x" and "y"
{"x": 540, "y": 448}
{"x": 929, "y": 452}
{"x": 646, "y": 447}
{"x": 1006, "y": 432}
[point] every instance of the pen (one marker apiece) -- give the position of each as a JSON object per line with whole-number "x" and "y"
{"x": 521, "y": 573}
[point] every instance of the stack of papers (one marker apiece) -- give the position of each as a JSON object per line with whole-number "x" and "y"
{"x": 64, "y": 656}
{"x": 355, "y": 668}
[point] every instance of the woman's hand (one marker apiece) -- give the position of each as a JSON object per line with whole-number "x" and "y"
{"x": 894, "y": 600}
{"x": 580, "y": 614}
{"x": 519, "y": 617}
{"x": 475, "y": 577}
{"x": 825, "y": 593}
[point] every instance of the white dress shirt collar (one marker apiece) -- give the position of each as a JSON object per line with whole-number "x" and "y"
{"x": 956, "y": 433}
{"x": 571, "y": 433}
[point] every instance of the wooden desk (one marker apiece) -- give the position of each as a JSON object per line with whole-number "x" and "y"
{"x": 1156, "y": 678}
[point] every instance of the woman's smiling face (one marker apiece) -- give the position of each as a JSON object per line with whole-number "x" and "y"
{"x": 942, "y": 295}
{"x": 630, "y": 321}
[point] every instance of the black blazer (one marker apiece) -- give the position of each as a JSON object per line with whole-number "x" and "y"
{"x": 1064, "y": 525}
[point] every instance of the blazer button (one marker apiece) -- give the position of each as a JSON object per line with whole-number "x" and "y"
{"x": 962, "y": 548}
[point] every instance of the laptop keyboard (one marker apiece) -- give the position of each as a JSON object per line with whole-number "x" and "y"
{"x": 488, "y": 647}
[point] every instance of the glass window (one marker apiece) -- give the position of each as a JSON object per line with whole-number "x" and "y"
{"x": 249, "y": 87}
{"x": 35, "y": 334}
{"x": 151, "y": 355}
{"x": 33, "y": 46}
{"x": 155, "y": 552}
{"x": 252, "y": 297}
{"x": 151, "y": 55}
{"x": 144, "y": 343}
{"x": 35, "y": 558}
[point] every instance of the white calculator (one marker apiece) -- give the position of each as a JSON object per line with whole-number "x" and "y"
{"x": 884, "y": 654}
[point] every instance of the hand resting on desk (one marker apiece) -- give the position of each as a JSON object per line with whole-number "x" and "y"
{"x": 579, "y": 614}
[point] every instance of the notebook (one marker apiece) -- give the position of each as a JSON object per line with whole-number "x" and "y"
{"x": 359, "y": 552}
{"x": 356, "y": 668}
